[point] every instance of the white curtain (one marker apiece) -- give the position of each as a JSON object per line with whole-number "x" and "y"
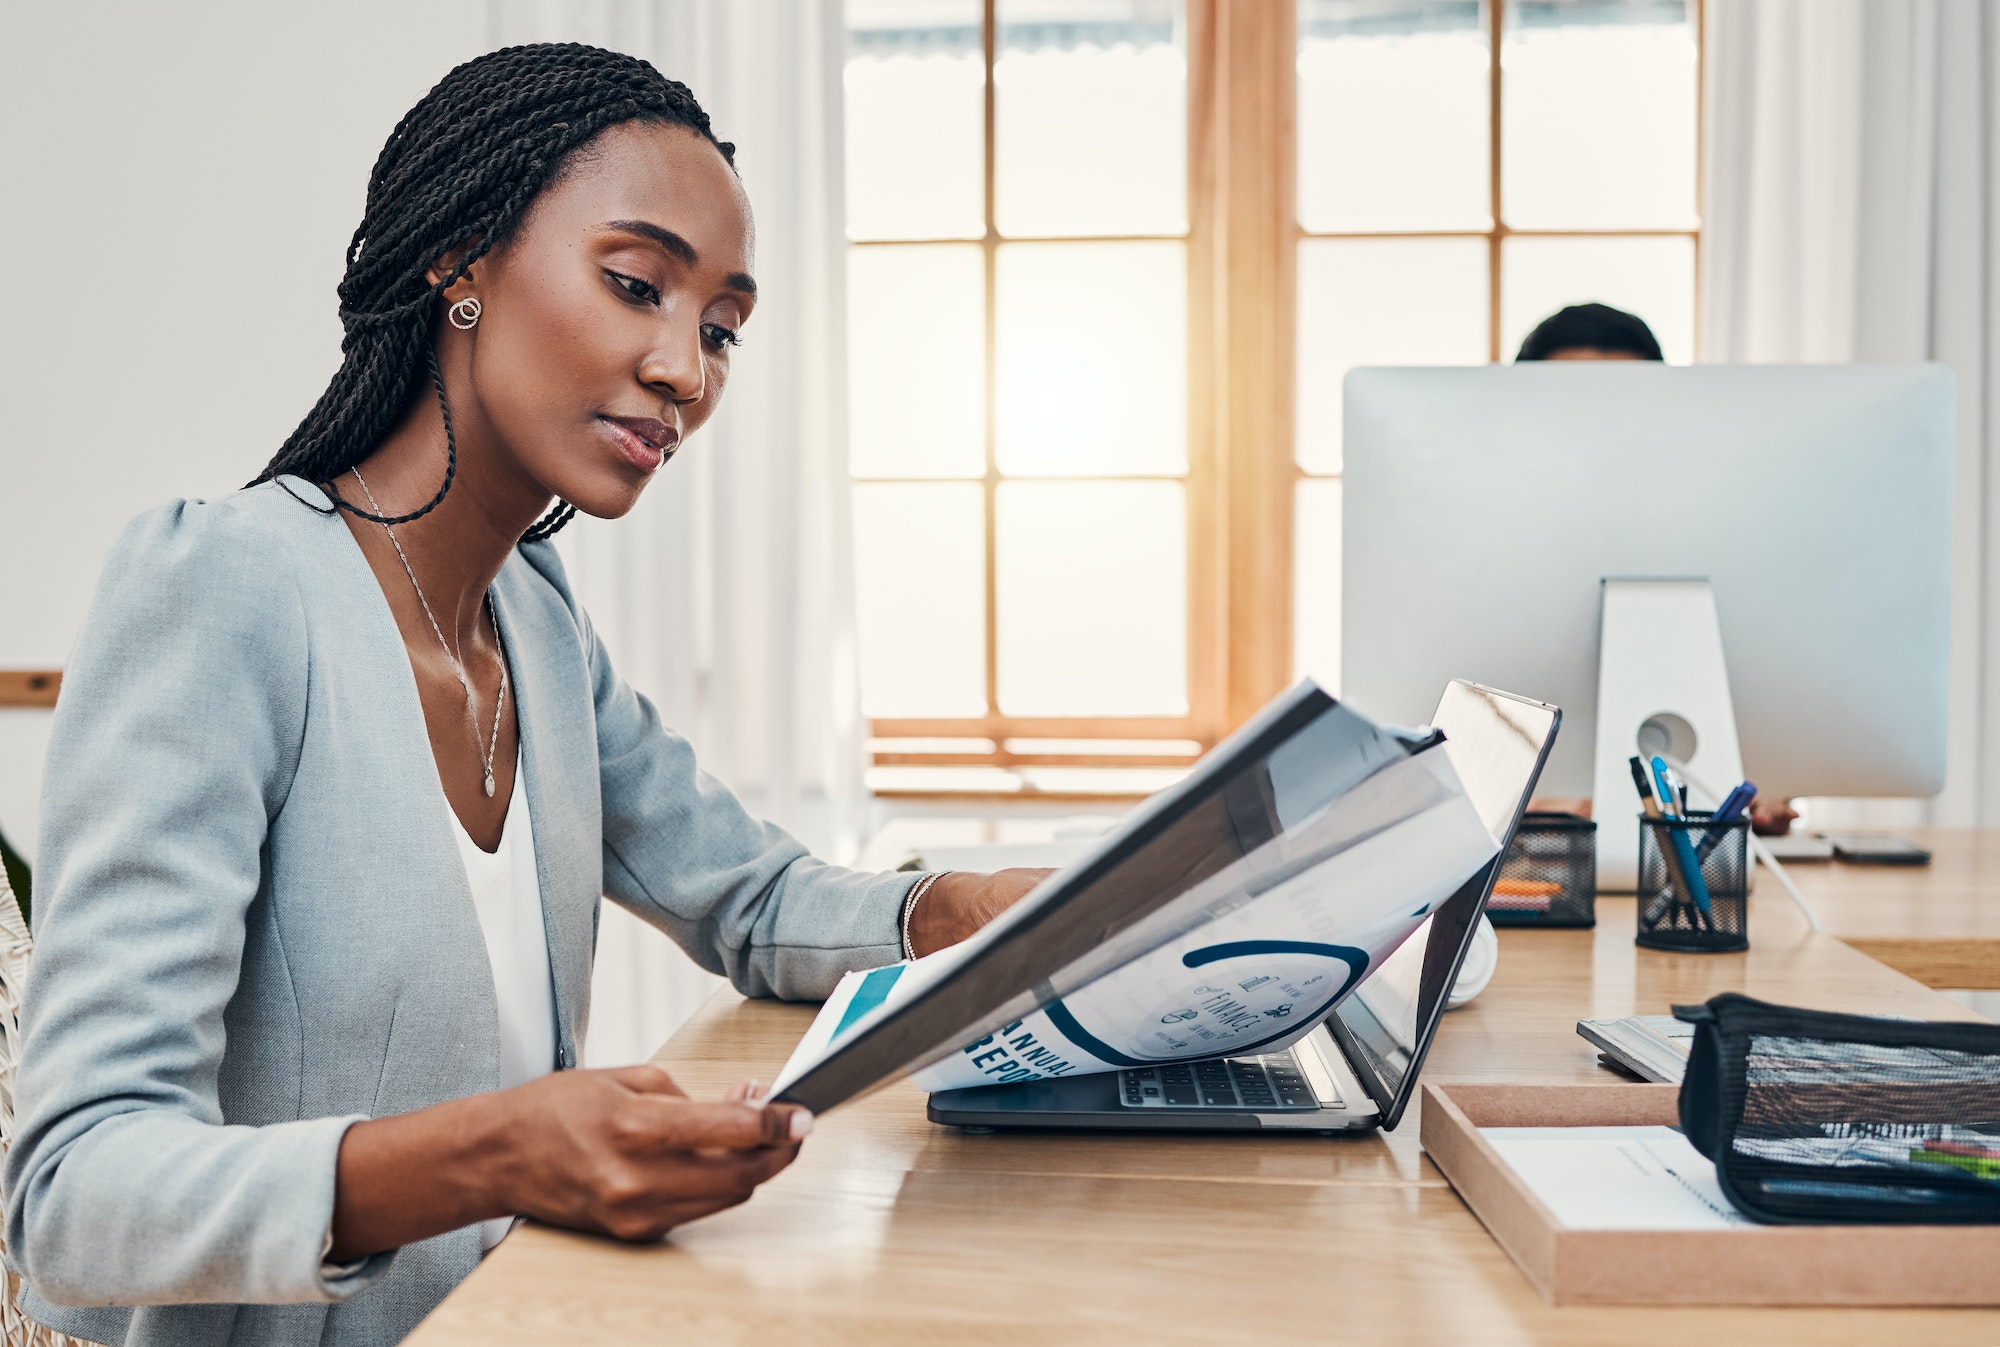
{"x": 1853, "y": 215}
{"x": 727, "y": 596}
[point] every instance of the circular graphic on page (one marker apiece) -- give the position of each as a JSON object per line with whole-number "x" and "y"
{"x": 1223, "y": 1000}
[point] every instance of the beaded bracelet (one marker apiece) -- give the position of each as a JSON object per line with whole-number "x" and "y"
{"x": 917, "y": 890}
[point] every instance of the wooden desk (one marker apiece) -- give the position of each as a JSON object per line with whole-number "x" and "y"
{"x": 1939, "y": 923}
{"x": 890, "y": 1230}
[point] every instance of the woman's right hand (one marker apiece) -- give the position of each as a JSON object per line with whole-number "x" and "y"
{"x": 624, "y": 1152}
{"x": 627, "y": 1153}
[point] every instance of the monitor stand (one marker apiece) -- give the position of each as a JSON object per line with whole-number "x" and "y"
{"x": 1661, "y": 688}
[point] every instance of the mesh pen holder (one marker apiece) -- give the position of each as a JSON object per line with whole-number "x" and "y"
{"x": 1812, "y": 1116}
{"x": 1549, "y": 877}
{"x": 1671, "y": 915}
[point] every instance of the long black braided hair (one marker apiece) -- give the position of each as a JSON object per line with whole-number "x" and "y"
{"x": 459, "y": 171}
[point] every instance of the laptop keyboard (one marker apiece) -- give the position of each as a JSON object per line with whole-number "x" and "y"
{"x": 1268, "y": 1083}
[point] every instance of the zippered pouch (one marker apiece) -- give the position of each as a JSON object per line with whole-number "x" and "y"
{"x": 1812, "y": 1116}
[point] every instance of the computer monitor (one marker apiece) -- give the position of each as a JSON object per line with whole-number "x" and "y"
{"x": 1483, "y": 507}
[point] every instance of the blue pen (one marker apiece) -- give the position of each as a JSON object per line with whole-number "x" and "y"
{"x": 1728, "y": 811}
{"x": 1660, "y": 805}
{"x": 1683, "y": 849}
{"x": 1663, "y": 787}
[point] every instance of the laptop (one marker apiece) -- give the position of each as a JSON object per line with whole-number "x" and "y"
{"x": 1357, "y": 1070}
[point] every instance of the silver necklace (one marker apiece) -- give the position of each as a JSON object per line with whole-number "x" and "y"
{"x": 486, "y": 746}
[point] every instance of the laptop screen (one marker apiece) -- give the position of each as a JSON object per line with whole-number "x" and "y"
{"x": 1497, "y": 744}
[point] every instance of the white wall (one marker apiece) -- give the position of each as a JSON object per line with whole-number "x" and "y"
{"x": 182, "y": 180}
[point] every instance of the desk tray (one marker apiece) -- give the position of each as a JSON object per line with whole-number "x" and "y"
{"x": 1759, "y": 1265}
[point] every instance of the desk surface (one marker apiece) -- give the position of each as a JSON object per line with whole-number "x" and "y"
{"x": 891, "y": 1230}
{"x": 1939, "y": 923}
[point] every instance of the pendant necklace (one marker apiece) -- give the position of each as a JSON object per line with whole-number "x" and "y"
{"x": 486, "y": 746}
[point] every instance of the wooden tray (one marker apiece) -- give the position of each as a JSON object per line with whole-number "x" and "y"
{"x": 1761, "y": 1265}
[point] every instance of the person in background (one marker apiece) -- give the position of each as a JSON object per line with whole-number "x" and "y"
{"x": 1590, "y": 332}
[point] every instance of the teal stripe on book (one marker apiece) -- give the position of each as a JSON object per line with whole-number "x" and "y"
{"x": 872, "y": 992}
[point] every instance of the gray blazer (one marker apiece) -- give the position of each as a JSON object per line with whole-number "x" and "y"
{"x": 253, "y": 927}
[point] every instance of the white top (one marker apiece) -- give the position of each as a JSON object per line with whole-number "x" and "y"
{"x": 507, "y": 893}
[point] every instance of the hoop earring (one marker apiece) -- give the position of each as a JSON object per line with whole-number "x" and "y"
{"x": 464, "y": 315}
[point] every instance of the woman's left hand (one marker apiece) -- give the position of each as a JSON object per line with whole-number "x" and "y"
{"x": 962, "y": 901}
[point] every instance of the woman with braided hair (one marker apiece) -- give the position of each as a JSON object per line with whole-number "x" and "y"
{"x": 341, "y": 771}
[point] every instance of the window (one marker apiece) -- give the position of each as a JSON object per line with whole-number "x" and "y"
{"x": 1020, "y": 385}
{"x": 1108, "y": 262}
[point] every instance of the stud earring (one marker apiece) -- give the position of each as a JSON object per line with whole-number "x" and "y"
{"x": 464, "y": 315}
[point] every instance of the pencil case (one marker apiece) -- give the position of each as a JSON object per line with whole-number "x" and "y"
{"x": 1549, "y": 876}
{"x": 1815, "y": 1117}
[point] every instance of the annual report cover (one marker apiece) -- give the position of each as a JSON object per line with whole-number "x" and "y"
{"x": 1356, "y": 833}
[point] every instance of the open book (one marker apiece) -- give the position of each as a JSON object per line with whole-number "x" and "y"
{"x": 1227, "y": 916}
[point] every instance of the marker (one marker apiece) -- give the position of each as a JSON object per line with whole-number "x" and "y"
{"x": 1727, "y": 812}
{"x": 1658, "y": 907}
{"x": 1646, "y": 800}
{"x": 1683, "y": 850}
{"x": 1736, "y": 802}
